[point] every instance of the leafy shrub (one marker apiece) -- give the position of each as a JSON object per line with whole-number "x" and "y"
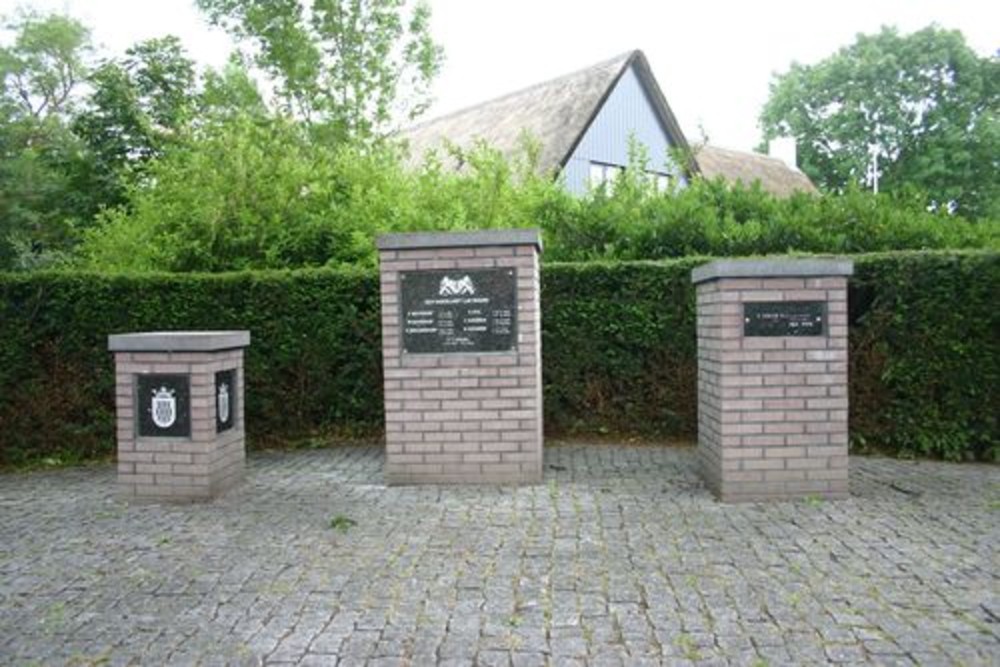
{"x": 255, "y": 193}
{"x": 262, "y": 194}
{"x": 619, "y": 351}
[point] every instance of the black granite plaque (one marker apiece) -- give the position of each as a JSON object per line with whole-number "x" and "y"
{"x": 163, "y": 404}
{"x": 459, "y": 311}
{"x": 225, "y": 399}
{"x": 784, "y": 318}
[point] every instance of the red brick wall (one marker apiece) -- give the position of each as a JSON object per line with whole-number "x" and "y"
{"x": 772, "y": 411}
{"x": 198, "y": 467}
{"x": 463, "y": 418}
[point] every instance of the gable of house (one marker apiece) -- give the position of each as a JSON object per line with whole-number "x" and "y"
{"x": 554, "y": 113}
{"x": 629, "y": 111}
{"x": 583, "y": 122}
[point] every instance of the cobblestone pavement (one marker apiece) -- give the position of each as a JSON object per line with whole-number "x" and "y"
{"x": 620, "y": 557}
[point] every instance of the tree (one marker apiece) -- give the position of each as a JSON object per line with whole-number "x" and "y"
{"x": 253, "y": 192}
{"x": 923, "y": 106}
{"x": 45, "y": 65}
{"x": 347, "y": 67}
{"x": 241, "y": 195}
{"x": 230, "y": 92}
{"x": 41, "y": 161}
{"x": 140, "y": 105}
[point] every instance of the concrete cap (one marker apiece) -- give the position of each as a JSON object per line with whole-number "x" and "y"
{"x": 485, "y": 237}
{"x": 773, "y": 268}
{"x": 178, "y": 341}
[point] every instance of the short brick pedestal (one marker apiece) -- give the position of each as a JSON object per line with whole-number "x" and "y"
{"x": 772, "y": 378}
{"x": 461, "y": 349}
{"x": 179, "y": 400}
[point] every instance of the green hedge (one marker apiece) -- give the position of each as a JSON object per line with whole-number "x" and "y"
{"x": 618, "y": 350}
{"x": 314, "y": 361}
{"x": 925, "y": 353}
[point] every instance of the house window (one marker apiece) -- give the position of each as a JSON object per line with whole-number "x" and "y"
{"x": 601, "y": 173}
{"x": 660, "y": 180}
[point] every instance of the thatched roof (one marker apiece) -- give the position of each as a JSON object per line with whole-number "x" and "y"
{"x": 557, "y": 114}
{"x": 552, "y": 112}
{"x": 736, "y": 166}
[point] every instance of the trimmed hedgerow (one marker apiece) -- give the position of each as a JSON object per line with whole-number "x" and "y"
{"x": 925, "y": 353}
{"x": 314, "y": 360}
{"x": 619, "y": 351}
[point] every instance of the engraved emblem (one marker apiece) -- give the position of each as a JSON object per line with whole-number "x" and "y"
{"x": 164, "y": 407}
{"x": 222, "y": 402}
{"x": 461, "y": 286}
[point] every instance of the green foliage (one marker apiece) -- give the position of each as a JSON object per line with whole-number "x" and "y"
{"x": 314, "y": 362}
{"x": 222, "y": 202}
{"x": 47, "y": 61}
{"x": 715, "y": 218}
{"x": 68, "y": 151}
{"x": 924, "y": 102}
{"x": 138, "y": 108}
{"x": 157, "y": 169}
{"x": 349, "y": 68}
{"x": 618, "y": 340}
{"x": 619, "y": 348}
{"x": 43, "y": 194}
{"x": 257, "y": 192}
{"x": 342, "y": 523}
{"x": 253, "y": 193}
{"x": 230, "y": 92}
{"x": 925, "y": 353}
{"x": 41, "y": 201}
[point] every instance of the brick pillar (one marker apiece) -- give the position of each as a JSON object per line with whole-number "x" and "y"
{"x": 772, "y": 377}
{"x": 461, "y": 350}
{"x": 179, "y": 402}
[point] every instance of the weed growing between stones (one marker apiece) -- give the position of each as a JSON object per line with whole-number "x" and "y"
{"x": 342, "y": 524}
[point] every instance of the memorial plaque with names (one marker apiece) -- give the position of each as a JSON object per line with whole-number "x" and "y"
{"x": 164, "y": 403}
{"x": 784, "y": 318}
{"x": 225, "y": 399}
{"x": 459, "y": 310}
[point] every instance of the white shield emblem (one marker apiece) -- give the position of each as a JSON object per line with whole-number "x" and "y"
{"x": 456, "y": 287}
{"x": 164, "y": 407}
{"x": 222, "y": 402}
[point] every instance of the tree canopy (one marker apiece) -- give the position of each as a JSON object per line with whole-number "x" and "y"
{"x": 43, "y": 195}
{"x": 140, "y": 105}
{"x": 141, "y": 162}
{"x": 347, "y": 67}
{"x": 45, "y": 64}
{"x": 80, "y": 134}
{"x": 923, "y": 106}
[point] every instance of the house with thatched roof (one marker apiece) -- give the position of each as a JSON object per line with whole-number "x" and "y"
{"x": 583, "y": 123}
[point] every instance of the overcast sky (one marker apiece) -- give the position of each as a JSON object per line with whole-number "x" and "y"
{"x": 713, "y": 58}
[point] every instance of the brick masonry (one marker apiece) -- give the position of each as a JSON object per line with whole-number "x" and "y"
{"x": 772, "y": 411}
{"x": 463, "y": 417}
{"x": 198, "y": 467}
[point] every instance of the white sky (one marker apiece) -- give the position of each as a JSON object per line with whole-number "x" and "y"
{"x": 713, "y": 58}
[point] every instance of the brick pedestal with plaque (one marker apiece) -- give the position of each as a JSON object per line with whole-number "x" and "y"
{"x": 772, "y": 377}
{"x": 179, "y": 401}
{"x": 461, "y": 348}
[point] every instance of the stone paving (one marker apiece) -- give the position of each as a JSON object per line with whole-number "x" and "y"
{"x": 620, "y": 557}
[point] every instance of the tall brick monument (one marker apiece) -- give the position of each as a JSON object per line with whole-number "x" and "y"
{"x": 461, "y": 350}
{"x": 772, "y": 377}
{"x": 179, "y": 401}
